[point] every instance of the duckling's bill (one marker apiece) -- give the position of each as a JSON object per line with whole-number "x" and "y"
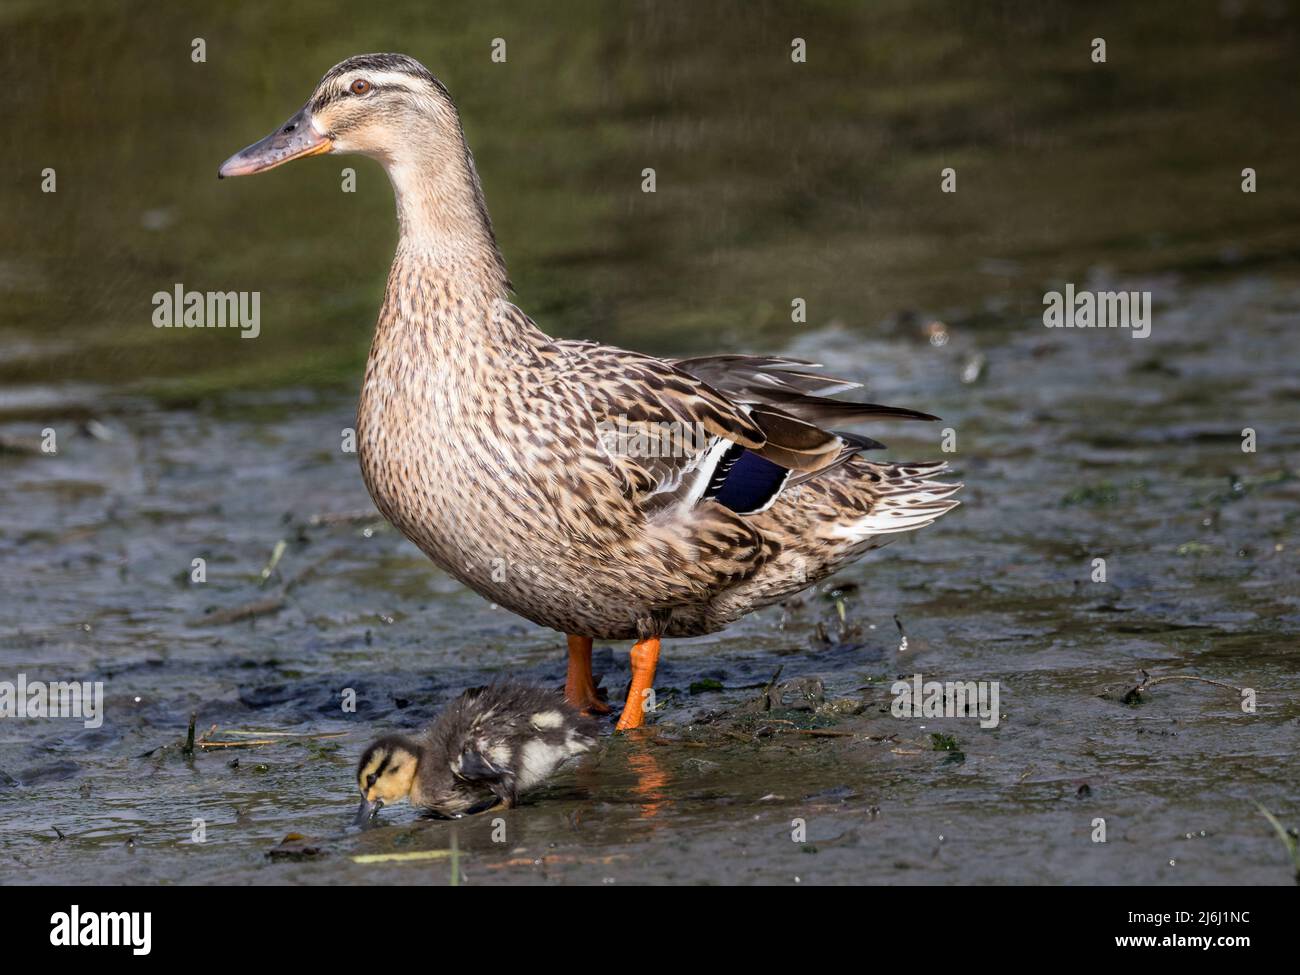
{"x": 299, "y": 137}
{"x": 368, "y": 811}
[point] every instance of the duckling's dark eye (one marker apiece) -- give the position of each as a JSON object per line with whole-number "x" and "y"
{"x": 371, "y": 779}
{"x": 359, "y": 87}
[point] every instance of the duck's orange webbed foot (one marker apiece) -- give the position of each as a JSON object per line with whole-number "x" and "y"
{"x": 579, "y": 687}
{"x": 645, "y": 657}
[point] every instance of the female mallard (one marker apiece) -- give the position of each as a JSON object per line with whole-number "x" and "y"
{"x": 485, "y": 749}
{"x": 600, "y": 492}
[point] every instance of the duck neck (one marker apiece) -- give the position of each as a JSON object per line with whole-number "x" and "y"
{"x": 447, "y": 290}
{"x": 444, "y": 222}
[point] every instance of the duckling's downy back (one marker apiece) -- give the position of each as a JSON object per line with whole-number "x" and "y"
{"x": 494, "y": 743}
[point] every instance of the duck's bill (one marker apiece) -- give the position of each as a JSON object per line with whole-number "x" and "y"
{"x": 296, "y": 139}
{"x": 368, "y": 811}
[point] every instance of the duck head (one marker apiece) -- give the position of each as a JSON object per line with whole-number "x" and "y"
{"x": 386, "y": 775}
{"x": 391, "y": 108}
{"x": 388, "y": 106}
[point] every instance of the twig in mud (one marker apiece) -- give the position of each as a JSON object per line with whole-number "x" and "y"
{"x": 235, "y": 614}
{"x": 823, "y": 732}
{"x": 402, "y": 857}
{"x": 1134, "y": 695}
{"x": 188, "y": 747}
{"x": 266, "y": 738}
{"x": 277, "y": 554}
{"x": 902, "y": 633}
{"x": 455, "y": 860}
{"x": 554, "y": 859}
{"x": 327, "y": 518}
{"x": 1203, "y": 680}
{"x": 237, "y": 744}
{"x": 1289, "y": 840}
{"x": 25, "y": 446}
{"x": 772, "y": 683}
{"x": 310, "y": 570}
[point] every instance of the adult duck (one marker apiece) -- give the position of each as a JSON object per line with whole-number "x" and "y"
{"x": 603, "y": 493}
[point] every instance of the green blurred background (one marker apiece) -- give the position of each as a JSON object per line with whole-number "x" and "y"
{"x": 818, "y": 180}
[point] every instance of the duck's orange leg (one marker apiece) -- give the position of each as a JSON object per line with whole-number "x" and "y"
{"x": 579, "y": 687}
{"x": 645, "y": 657}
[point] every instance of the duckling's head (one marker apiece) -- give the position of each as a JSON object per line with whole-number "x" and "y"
{"x": 386, "y": 774}
{"x": 388, "y": 106}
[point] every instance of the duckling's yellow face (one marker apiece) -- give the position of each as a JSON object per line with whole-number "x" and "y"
{"x": 386, "y": 774}
{"x": 374, "y": 104}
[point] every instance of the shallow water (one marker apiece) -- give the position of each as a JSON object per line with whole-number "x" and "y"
{"x": 1073, "y": 445}
{"x": 1199, "y": 541}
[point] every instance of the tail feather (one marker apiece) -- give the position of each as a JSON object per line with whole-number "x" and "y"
{"x": 824, "y": 523}
{"x": 905, "y": 497}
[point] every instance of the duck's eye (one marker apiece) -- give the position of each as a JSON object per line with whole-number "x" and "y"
{"x": 359, "y": 87}
{"x": 371, "y": 779}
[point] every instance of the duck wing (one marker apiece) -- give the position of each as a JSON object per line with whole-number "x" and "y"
{"x": 731, "y": 428}
{"x": 790, "y": 387}
{"x": 672, "y": 436}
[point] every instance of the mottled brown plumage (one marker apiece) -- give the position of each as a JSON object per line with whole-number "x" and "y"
{"x": 503, "y": 453}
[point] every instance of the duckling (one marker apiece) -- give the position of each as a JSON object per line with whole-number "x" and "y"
{"x": 487, "y": 747}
